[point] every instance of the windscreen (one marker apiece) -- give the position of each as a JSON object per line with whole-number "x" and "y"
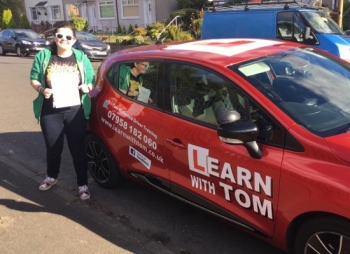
{"x": 311, "y": 88}
{"x": 87, "y": 37}
{"x": 28, "y": 34}
{"x": 322, "y": 22}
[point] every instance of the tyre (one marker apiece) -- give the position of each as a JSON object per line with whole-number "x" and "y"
{"x": 324, "y": 235}
{"x": 2, "y": 52}
{"x": 101, "y": 163}
{"x": 18, "y": 51}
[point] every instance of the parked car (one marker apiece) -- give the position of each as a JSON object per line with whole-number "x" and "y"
{"x": 21, "y": 41}
{"x": 92, "y": 46}
{"x": 254, "y": 131}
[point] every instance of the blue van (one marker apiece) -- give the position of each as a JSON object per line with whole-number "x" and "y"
{"x": 276, "y": 20}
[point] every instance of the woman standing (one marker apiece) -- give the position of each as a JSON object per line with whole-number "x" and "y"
{"x": 63, "y": 77}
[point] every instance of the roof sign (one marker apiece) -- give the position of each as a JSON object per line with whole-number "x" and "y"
{"x": 226, "y": 47}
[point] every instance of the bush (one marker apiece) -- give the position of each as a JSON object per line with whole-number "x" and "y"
{"x": 185, "y": 17}
{"x": 79, "y": 23}
{"x": 137, "y": 40}
{"x": 23, "y": 22}
{"x": 119, "y": 29}
{"x": 7, "y": 20}
{"x": 175, "y": 33}
{"x": 130, "y": 29}
{"x": 154, "y": 30}
{"x": 123, "y": 40}
{"x": 196, "y": 25}
{"x": 140, "y": 31}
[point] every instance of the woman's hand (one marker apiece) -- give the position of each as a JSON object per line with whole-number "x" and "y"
{"x": 47, "y": 92}
{"x": 86, "y": 88}
{"x": 133, "y": 93}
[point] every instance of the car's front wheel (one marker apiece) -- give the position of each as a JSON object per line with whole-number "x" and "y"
{"x": 18, "y": 51}
{"x": 101, "y": 163}
{"x": 326, "y": 235}
{"x": 2, "y": 52}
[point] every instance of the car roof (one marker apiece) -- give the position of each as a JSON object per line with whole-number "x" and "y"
{"x": 21, "y": 29}
{"x": 223, "y": 52}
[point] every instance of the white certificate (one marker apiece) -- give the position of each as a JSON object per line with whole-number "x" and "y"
{"x": 143, "y": 94}
{"x": 65, "y": 93}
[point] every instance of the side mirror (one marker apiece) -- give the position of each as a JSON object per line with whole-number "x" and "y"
{"x": 232, "y": 130}
{"x": 307, "y": 33}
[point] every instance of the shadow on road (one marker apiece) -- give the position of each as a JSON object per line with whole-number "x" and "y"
{"x": 153, "y": 215}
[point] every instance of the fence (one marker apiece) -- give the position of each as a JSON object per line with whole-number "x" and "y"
{"x": 40, "y": 29}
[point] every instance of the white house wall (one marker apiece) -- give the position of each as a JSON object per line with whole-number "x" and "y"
{"x": 42, "y": 17}
{"x": 149, "y": 11}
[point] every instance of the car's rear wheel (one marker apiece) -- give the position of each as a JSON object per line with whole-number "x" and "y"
{"x": 101, "y": 163}
{"x": 2, "y": 52}
{"x": 18, "y": 51}
{"x": 324, "y": 235}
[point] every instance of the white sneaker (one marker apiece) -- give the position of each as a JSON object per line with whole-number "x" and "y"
{"x": 47, "y": 183}
{"x": 84, "y": 192}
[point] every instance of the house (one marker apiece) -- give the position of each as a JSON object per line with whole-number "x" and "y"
{"x": 102, "y": 15}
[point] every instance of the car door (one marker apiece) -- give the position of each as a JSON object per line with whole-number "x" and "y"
{"x": 132, "y": 128}
{"x": 5, "y": 39}
{"x": 11, "y": 41}
{"x": 217, "y": 176}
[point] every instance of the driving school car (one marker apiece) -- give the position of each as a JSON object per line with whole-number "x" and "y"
{"x": 254, "y": 131}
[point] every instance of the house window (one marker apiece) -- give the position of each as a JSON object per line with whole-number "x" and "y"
{"x": 56, "y": 12}
{"x": 106, "y": 10}
{"x": 72, "y": 11}
{"x": 34, "y": 15}
{"x": 130, "y": 8}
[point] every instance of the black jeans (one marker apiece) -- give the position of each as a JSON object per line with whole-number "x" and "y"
{"x": 73, "y": 124}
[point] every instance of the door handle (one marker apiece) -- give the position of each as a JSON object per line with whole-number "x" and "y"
{"x": 177, "y": 143}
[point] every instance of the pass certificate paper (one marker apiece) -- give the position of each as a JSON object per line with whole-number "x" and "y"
{"x": 144, "y": 94}
{"x": 65, "y": 93}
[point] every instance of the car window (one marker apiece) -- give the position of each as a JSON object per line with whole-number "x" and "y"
{"x": 11, "y": 33}
{"x": 28, "y": 34}
{"x": 5, "y": 33}
{"x": 290, "y": 26}
{"x": 146, "y": 85}
{"x": 201, "y": 96}
{"x": 312, "y": 88}
{"x": 87, "y": 37}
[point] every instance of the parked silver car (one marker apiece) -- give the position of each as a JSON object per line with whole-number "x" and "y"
{"x": 92, "y": 46}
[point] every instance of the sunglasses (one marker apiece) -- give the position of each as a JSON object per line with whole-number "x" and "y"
{"x": 68, "y": 37}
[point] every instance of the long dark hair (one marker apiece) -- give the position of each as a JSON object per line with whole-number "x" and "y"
{"x": 64, "y": 24}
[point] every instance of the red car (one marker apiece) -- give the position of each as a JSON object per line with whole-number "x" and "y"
{"x": 254, "y": 131}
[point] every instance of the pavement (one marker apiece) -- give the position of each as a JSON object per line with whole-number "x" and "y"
{"x": 57, "y": 221}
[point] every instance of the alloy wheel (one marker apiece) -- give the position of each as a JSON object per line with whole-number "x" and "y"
{"x": 98, "y": 162}
{"x": 328, "y": 243}
{"x": 18, "y": 51}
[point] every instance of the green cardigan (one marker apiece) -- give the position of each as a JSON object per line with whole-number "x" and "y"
{"x": 38, "y": 70}
{"x": 124, "y": 77}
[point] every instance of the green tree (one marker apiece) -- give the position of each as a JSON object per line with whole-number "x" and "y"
{"x": 130, "y": 29}
{"x": 195, "y": 4}
{"x": 7, "y": 20}
{"x": 16, "y": 6}
{"x": 23, "y": 22}
{"x": 119, "y": 30}
{"x": 78, "y": 23}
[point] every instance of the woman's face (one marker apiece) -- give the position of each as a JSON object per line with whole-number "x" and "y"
{"x": 64, "y": 38}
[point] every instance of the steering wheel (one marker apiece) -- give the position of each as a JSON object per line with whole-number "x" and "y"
{"x": 311, "y": 102}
